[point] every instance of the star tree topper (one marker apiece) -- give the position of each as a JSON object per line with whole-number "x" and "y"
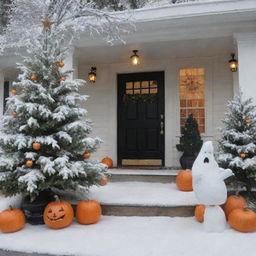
{"x": 47, "y": 23}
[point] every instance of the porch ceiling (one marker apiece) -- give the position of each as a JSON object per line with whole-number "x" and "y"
{"x": 156, "y": 50}
{"x": 187, "y": 21}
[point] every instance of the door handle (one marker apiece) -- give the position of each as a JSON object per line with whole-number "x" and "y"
{"x": 162, "y": 128}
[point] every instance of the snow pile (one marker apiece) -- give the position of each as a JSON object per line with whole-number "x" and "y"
{"x": 131, "y": 236}
{"x": 142, "y": 193}
{"x": 5, "y": 202}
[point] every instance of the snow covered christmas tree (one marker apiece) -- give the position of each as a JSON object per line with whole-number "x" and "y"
{"x": 45, "y": 140}
{"x": 238, "y": 142}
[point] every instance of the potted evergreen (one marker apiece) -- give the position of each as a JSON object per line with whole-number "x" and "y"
{"x": 190, "y": 143}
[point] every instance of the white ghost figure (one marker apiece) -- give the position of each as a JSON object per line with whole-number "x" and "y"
{"x": 208, "y": 178}
{"x": 214, "y": 219}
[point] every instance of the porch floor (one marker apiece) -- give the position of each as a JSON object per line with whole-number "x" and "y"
{"x": 142, "y": 194}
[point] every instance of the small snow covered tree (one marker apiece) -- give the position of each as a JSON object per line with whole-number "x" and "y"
{"x": 45, "y": 137}
{"x": 238, "y": 142}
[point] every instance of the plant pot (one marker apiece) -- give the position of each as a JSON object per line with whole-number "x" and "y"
{"x": 34, "y": 210}
{"x": 186, "y": 162}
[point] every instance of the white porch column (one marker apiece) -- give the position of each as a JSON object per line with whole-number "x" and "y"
{"x": 246, "y": 49}
{"x": 1, "y": 94}
{"x": 71, "y": 64}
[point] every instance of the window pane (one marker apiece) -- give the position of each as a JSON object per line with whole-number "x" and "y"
{"x": 129, "y": 85}
{"x": 137, "y": 84}
{"x": 192, "y": 98}
{"x": 145, "y": 84}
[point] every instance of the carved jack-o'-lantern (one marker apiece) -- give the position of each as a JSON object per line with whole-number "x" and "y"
{"x": 58, "y": 214}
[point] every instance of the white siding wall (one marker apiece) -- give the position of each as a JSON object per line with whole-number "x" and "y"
{"x": 1, "y": 94}
{"x": 102, "y": 104}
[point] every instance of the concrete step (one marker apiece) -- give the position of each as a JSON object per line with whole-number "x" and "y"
{"x": 129, "y": 175}
{"x": 135, "y": 210}
{"x": 144, "y": 199}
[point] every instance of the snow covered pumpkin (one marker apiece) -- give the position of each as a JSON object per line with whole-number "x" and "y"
{"x": 88, "y": 212}
{"x": 242, "y": 220}
{"x": 234, "y": 202}
{"x": 12, "y": 220}
{"x": 104, "y": 181}
{"x": 107, "y": 161}
{"x": 199, "y": 213}
{"x": 184, "y": 180}
{"x": 58, "y": 214}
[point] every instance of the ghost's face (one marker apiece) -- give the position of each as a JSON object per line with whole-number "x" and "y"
{"x": 205, "y": 157}
{"x": 207, "y": 152}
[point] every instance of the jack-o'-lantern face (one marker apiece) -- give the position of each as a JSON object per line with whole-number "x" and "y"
{"x": 58, "y": 215}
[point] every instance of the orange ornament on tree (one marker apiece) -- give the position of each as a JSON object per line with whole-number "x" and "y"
{"x": 234, "y": 202}
{"x": 199, "y": 213}
{"x": 14, "y": 92}
{"x": 184, "y": 180}
{"x": 36, "y": 145}
{"x": 29, "y": 163}
{"x": 58, "y": 214}
{"x": 104, "y": 181}
{"x": 248, "y": 121}
{"x": 14, "y": 113}
{"x": 243, "y": 155}
{"x": 107, "y": 161}
{"x": 62, "y": 79}
{"x": 243, "y": 220}
{"x": 33, "y": 77}
{"x": 11, "y": 220}
{"x": 86, "y": 155}
{"x": 60, "y": 64}
{"x": 88, "y": 212}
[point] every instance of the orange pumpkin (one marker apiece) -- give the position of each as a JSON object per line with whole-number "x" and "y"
{"x": 234, "y": 202}
{"x": 88, "y": 212}
{"x": 86, "y": 155}
{"x": 104, "y": 181}
{"x": 58, "y": 214}
{"x": 199, "y": 213}
{"x": 243, "y": 220}
{"x": 29, "y": 163}
{"x": 14, "y": 92}
{"x": 184, "y": 180}
{"x": 107, "y": 161}
{"x": 36, "y": 145}
{"x": 60, "y": 64}
{"x": 12, "y": 220}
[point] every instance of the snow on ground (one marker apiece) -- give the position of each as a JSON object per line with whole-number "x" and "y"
{"x": 142, "y": 193}
{"x": 131, "y": 236}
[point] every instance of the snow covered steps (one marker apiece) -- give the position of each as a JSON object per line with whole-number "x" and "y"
{"x": 128, "y": 175}
{"x": 144, "y": 199}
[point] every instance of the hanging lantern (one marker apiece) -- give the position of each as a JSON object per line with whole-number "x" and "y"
{"x": 135, "y": 58}
{"x": 92, "y": 75}
{"x": 233, "y": 64}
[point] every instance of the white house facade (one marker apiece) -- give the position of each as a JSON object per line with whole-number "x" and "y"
{"x": 184, "y": 51}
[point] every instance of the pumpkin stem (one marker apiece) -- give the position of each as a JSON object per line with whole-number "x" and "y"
{"x": 10, "y": 207}
{"x": 237, "y": 193}
{"x": 57, "y": 199}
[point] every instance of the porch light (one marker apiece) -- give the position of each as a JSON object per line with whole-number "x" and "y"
{"x": 135, "y": 58}
{"x": 233, "y": 64}
{"x": 92, "y": 75}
